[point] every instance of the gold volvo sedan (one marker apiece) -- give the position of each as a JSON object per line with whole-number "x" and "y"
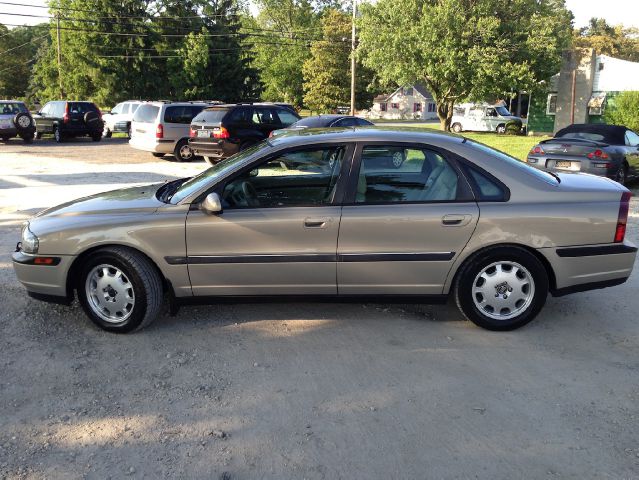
{"x": 332, "y": 215}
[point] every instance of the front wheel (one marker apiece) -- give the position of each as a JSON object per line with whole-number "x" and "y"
{"x": 38, "y": 135}
{"x": 57, "y": 135}
{"x": 120, "y": 290}
{"x": 501, "y": 128}
{"x": 502, "y": 288}
{"x": 107, "y": 133}
{"x": 457, "y": 128}
{"x": 96, "y": 137}
{"x": 622, "y": 174}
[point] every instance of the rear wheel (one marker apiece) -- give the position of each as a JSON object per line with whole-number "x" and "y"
{"x": 128, "y": 131}
{"x": 107, "y": 133}
{"x": 38, "y": 135}
{"x": 28, "y": 138}
{"x": 457, "y": 128}
{"x": 502, "y": 288}
{"x": 96, "y": 137}
{"x": 183, "y": 152}
{"x": 501, "y": 128}
{"x": 622, "y": 174}
{"x": 120, "y": 290}
{"x": 57, "y": 135}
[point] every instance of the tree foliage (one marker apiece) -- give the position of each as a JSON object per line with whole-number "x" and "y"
{"x": 327, "y": 80}
{"x": 21, "y": 46}
{"x": 464, "y": 49}
{"x": 616, "y": 41}
{"x": 624, "y": 110}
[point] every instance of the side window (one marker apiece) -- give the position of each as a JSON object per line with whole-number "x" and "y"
{"x": 59, "y": 109}
{"x": 194, "y": 111}
{"x": 632, "y": 139}
{"x": 491, "y": 112}
{"x": 134, "y": 107}
{"x": 46, "y": 110}
{"x": 390, "y": 174}
{"x": 287, "y": 118}
{"x": 242, "y": 115}
{"x": 345, "y": 122}
{"x": 178, "y": 114}
{"x": 297, "y": 178}
{"x": 117, "y": 109}
{"x": 486, "y": 189}
{"x": 267, "y": 116}
{"x": 363, "y": 123}
{"x": 126, "y": 108}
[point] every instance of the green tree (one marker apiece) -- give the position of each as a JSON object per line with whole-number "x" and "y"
{"x": 616, "y": 41}
{"x": 464, "y": 49}
{"x": 327, "y": 79}
{"x": 624, "y": 110}
{"x": 18, "y": 48}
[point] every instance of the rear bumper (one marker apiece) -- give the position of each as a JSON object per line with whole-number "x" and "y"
{"x": 48, "y": 280}
{"x": 155, "y": 145}
{"x": 603, "y": 168}
{"x": 217, "y": 149}
{"x": 587, "y": 267}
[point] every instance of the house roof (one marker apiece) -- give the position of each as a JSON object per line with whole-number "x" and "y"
{"x": 418, "y": 87}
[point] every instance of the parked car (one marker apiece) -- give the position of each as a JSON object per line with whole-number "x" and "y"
{"x": 608, "y": 150}
{"x": 16, "y": 121}
{"x": 458, "y": 218}
{"x": 65, "y": 119}
{"x": 483, "y": 118}
{"x": 223, "y": 130}
{"x": 162, "y": 128}
{"x": 119, "y": 118}
{"x": 324, "y": 121}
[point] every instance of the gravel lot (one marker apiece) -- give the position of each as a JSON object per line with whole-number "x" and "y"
{"x": 302, "y": 390}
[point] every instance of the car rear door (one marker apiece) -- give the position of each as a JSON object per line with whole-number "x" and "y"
{"x": 632, "y": 152}
{"x": 277, "y": 233}
{"x": 402, "y": 228}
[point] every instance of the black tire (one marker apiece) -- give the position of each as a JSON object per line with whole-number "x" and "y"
{"x": 96, "y": 137}
{"x": 501, "y": 128}
{"x": 27, "y": 138}
{"x": 128, "y": 131}
{"x": 106, "y": 133}
{"x": 38, "y": 135}
{"x": 457, "y": 128}
{"x": 183, "y": 152}
{"x": 157, "y": 155}
{"x": 144, "y": 279}
{"x": 622, "y": 174}
{"x": 5, "y": 139}
{"x": 58, "y": 136}
{"x": 468, "y": 276}
{"x": 23, "y": 122}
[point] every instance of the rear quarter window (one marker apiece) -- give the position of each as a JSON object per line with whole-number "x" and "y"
{"x": 486, "y": 188}
{"x": 146, "y": 114}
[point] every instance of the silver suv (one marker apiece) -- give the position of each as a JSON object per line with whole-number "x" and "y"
{"x": 162, "y": 128}
{"x": 16, "y": 121}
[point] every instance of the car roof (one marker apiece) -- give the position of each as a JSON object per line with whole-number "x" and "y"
{"x": 321, "y": 120}
{"x": 11, "y": 101}
{"x": 611, "y": 133}
{"x": 363, "y": 134}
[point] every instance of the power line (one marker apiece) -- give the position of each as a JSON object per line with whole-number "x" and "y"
{"x": 23, "y": 45}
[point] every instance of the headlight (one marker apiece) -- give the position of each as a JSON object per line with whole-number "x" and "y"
{"x": 30, "y": 242}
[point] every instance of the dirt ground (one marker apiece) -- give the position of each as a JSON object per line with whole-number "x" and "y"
{"x": 301, "y": 390}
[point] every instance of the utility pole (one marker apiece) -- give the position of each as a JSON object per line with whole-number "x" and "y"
{"x": 57, "y": 21}
{"x": 353, "y": 46}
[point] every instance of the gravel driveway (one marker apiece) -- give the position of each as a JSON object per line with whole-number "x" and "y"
{"x": 301, "y": 390}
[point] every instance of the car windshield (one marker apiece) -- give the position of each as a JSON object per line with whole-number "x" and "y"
{"x": 11, "y": 108}
{"x": 542, "y": 175}
{"x": 597, "y": 137}
{"x": 218, "y": 170}
{"x": 503, "y": 111}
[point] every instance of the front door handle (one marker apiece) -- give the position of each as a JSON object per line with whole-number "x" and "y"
{"x": 316, "y": 222}
{"x": 456, "y": 220}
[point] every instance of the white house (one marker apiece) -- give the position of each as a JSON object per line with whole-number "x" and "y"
{"x": 412, "y": 102}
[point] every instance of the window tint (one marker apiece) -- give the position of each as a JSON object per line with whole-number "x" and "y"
{"x": 243, "y": 115}
{"x": 126, "y": 108}
{"x": 59, "y": 108}
{"x": 632, "y": 139}
{"x": 146, "y": 114}
{"x": 80, "y": 108}
{"x": 299, "y": 178}
{"x": 399, "y": 175}
{"x": 287, "y": 118}
{"x": 364, "y": 123}
{"x": 345, "y": 122}
{"x": 266, "y": 116}
{"x": 7, "y": 108}
{"x": 211, "y": 116}
{"x": 487, "y": 189}
{"x": 181, "y": 114}
{"x": 117, "y": 109}
{"x": 134, "y": 107}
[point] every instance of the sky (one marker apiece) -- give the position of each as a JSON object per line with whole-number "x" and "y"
{"x": 614, "y": 11}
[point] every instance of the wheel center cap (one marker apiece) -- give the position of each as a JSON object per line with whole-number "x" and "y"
{"x": 502, "y": 288}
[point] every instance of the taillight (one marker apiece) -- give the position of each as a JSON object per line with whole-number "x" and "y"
{"x": 622, "y": 219}
{"x": 159, "y": 131}
{"x": 598, "y": 154}
{"x": 270, "y": 135}
{"x": 221, "y": 133}
{"x": 192, "y": 133}
{"x": 65, "y": 117}
{"x": 537, "y": 151}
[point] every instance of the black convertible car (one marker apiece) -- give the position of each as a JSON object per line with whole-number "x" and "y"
{"x": 607, "y": 150}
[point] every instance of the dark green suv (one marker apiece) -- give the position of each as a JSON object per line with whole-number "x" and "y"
{"x": 66, "y": 119}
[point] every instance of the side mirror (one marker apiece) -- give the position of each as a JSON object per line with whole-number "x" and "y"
{"x": 212, "y": 204}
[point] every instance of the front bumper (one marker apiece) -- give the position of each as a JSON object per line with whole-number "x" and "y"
{"x": 603, "y": 168}
{"x": 43, "y": 279}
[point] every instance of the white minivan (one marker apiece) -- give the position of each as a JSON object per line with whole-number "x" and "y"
{"x": 163, "y": 127}
{"x": 119, "y": 118}
{"x": 482, "y": 118}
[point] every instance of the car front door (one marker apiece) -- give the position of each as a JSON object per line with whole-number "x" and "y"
{"x": 402, "y": 228}
{"x": 277, "y": 233}
{"x": 43, "y": 119}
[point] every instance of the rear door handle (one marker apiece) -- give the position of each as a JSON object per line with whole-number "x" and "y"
{"x": 316, "y": 222}
{"x": 456, "y": 220}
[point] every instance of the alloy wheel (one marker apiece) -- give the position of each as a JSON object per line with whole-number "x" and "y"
{"x": 110, "y": 293}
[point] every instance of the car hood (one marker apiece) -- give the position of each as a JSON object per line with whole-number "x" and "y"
{"x": 127, "y": 200}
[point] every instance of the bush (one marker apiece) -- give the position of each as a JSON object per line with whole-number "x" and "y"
{"x": 623, "y": 109}
{"x": 513, "y": 127}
